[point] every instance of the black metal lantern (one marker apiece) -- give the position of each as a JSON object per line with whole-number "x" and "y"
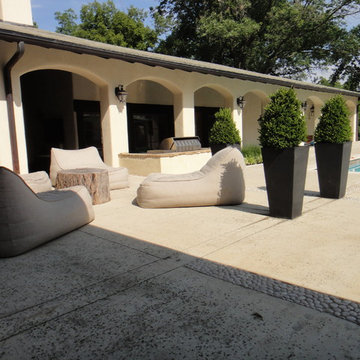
{"x": 241, "y": 102}
{"x": 121, "y": 93}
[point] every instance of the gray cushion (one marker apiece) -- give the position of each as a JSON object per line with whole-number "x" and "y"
{"x": 86, "y": 158}
{"x": 28, "y": 219}
{"x": 219, "y": 182}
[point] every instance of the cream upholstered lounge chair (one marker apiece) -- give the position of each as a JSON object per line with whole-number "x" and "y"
{"x": 86, "y": 158}
{"x": 28, "y": 219}
{"x": 219, "y": 182}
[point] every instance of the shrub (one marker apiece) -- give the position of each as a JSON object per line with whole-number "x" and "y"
{"x": 252, "y": 154}
{"x": 283, "y": 124}
{"x": 334, "y": 123}
{"x": 224, "y": 130}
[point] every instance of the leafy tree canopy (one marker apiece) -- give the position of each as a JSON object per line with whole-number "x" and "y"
{"x": 346, "y": 58}
{"x": 279, "y": 37}
{"x": 326, "y": 82}
{"x": 105, "y": 23}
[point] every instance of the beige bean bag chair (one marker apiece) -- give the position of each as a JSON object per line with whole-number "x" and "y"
{"x": 38, "y": 181}
{"x": 28, "y": 219}
{"x": 86, "y": 158}
{"x": 219, "y": 182}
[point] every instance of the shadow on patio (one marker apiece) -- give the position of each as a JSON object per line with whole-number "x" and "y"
{"x": 99, "y": 294}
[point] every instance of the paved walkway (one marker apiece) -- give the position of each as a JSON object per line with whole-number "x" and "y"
{"x": 210, "y": 283}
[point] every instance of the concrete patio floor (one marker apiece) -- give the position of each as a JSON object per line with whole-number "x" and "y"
{"x": 192, "y": 283}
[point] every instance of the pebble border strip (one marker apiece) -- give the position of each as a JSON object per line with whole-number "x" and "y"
{"x": 344, "y": 309}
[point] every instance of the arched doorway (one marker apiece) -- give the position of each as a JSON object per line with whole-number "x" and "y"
{"x": 207, "y": 102}
{"x": 62, "y": 110}
{"x": 150, "y": 112}
{"x": 255, "y": 103}
{"x": 312, "y": 112}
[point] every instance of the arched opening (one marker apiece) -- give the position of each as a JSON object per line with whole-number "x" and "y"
{"x": 150, "y": 112}
{"x": 63, "y": 112}
{"x": 207, "y": 102}
{"x": 255, "y": 102}
{"x": 312, "y": 112}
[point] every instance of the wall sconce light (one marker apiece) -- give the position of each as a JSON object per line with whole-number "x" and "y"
{"x": 304, "y": 105}
{"x": 241, "y": 102}
{"x": 121, "y": 93}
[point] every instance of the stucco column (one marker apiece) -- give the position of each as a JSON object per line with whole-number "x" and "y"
{"x": 237, "y": 114}
{"x": 184, "y": 115}
{"x": 5, "y": 146}
{"x": 314, "y": 119}
{"x": 355, "y": 133}
{"x": 114, "y": 126}
{"x": 20, "y": 125}
{"x": 353, "y": 123}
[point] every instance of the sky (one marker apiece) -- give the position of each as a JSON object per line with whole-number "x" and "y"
{"x": 43, "y": 10}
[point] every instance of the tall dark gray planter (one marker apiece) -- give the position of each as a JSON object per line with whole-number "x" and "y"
{"x": 285, "y": 174}
{"x": 332, "y": 162}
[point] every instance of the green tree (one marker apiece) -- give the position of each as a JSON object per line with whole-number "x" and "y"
{"x": 66, "y": 22}
{"x": 346, "y": 58}
{"x": 280, "y": 37}
{"x": 103, "y": 22}
{"x": 326, "y": 82}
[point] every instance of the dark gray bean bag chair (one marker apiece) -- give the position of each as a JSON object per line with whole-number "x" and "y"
{"x": 29, "y": 219}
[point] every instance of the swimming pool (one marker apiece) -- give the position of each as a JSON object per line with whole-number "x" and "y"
{"x": 354, "y": 165}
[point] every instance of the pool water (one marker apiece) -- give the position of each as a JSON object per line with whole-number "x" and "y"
{"x": 354, "y": 165}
